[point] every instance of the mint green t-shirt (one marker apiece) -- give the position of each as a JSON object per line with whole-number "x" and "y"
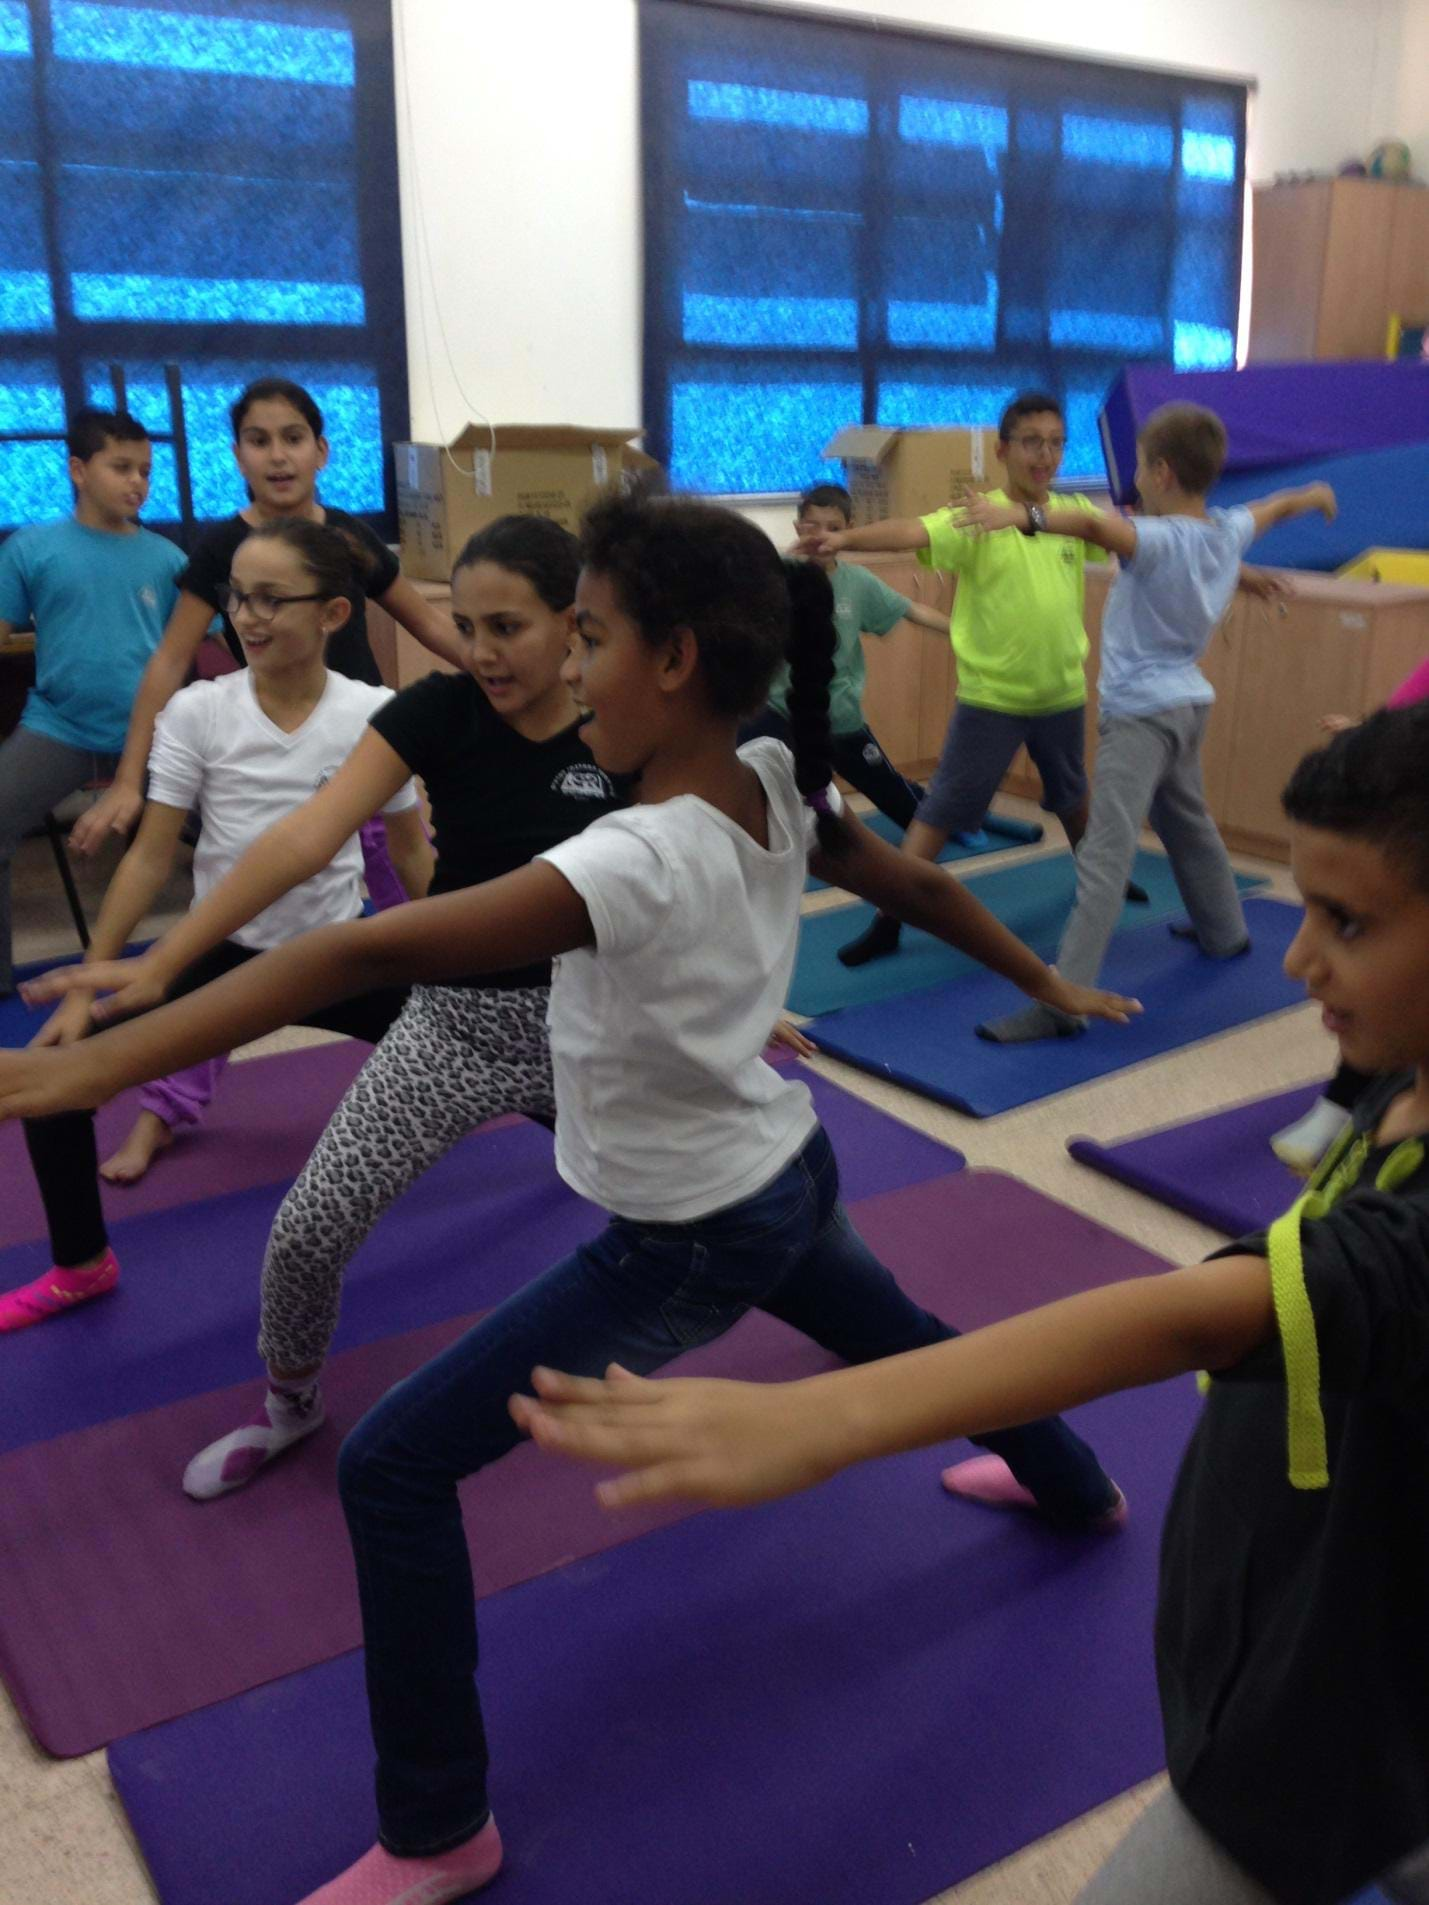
{"x": 1017, "y": 628}
{"x": 863, "y": 605}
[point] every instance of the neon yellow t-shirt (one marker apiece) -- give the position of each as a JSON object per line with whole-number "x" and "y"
{"x": 1017, "y": 628}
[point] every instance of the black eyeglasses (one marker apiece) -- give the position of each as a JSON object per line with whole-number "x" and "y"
{"x": 1055, "y": 444}
{"x": 260, "y": 604}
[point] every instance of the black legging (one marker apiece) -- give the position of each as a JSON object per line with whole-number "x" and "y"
{"x": 63, "y": 1150}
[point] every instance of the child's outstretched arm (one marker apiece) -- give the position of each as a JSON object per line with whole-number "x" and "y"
{"x": 922, "y": 894}
{"x": 1285, "y": 503}
{"x": 933, "y": 620}
{"x": 895, "y": 534}
{"x": 1113, "y": 533}
{"x": 517, "y": 920}
{"x": 728, "y": 1443}
{"x": 431, "y": 626}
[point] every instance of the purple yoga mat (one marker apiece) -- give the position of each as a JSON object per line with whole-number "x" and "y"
{"x": 866, "y": 1693}
{"x": 266, "y": 1117}
{"x": 136, "y": 1605}
{"x": 1220, "y": 1170}
{"x": 185, "y": 1317}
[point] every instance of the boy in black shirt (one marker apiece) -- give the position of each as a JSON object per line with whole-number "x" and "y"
{"x": 1290, "y": 1647}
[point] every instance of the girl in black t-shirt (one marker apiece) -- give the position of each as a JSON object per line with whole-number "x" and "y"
{"x": 279, "y": 446}
{"x": 508, "y": 776}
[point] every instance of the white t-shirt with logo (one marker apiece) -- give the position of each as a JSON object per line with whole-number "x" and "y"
{"x": 215, "y": 749}
{"x": 666, "y": 1110}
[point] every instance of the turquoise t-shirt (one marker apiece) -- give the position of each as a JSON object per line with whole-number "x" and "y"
{"x": 862, "y": 605}
{"x": 99, "y": 601}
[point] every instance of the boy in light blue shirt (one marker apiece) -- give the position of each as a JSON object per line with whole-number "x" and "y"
{"x": 1181, "y": 564}
{"x": 98, "y": 590}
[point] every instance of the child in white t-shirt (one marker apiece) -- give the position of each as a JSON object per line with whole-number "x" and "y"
{"x": 244, "y": 750}
{"x": 673, "y": 926}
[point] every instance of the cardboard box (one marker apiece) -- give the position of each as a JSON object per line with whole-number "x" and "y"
{"x": 912, "y": 472}
{"x": 513, "y": 469}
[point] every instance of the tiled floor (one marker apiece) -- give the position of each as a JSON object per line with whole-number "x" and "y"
{"x": 63, "y": 1839}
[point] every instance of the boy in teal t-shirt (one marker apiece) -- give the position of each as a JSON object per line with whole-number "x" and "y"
{"x": 863, "y": 605}
{"x": 1020, "y": 649}
{"x": 98, "y": 590}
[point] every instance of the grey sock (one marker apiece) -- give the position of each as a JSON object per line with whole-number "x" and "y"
{"x": 1031, "y": 1023}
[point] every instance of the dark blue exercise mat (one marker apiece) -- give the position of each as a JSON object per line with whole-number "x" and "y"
{"x": 926, "y": 1040}
{"x": 1031, "y": 897}
{"x": 997, "y": 834}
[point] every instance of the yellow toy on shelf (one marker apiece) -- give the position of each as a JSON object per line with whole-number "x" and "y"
{"x": 1390, "y": 565}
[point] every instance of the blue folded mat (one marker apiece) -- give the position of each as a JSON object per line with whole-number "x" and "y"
{"x": 926, "y": 1040}
{"x": 1033, "y": 898}
{"x": 996, "y": 835}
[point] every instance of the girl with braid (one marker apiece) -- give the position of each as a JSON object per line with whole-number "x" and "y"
{"x": 672, "y": 926}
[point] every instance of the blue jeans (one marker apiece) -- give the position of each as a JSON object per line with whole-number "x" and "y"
{"x": 639, "y": 1294}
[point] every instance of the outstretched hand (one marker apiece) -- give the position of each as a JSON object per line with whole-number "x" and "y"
{"x": 1087, "y": 1002}
{"x": 686, "y": 1439}
{"x": 788, "y": 1036}
{"x": 979, "y": 514}
{"x": 131, "y": 985}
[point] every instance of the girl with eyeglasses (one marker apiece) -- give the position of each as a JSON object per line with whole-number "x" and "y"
{"x": 244, "y": 750}
{"x": 281, "y": 451}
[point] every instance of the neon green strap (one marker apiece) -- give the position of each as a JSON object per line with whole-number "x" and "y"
{"x": 1309, "y": 1460}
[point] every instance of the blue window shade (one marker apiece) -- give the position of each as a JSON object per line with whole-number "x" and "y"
{"x": 845, "y": 225}
{"x": 215, "y": 186}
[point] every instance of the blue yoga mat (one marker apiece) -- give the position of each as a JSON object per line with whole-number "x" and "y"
{"x": 865, "y": 1693}
{"x": 926, "y": 1040}
{"x": 1032, "y": 897}
{"x": 184, "y": 1319}
{"x": 996, "y": 835}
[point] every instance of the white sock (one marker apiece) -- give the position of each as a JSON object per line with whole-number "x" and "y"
{"x": 289, "y": 1413}
{"x": 1301, "y": 1145}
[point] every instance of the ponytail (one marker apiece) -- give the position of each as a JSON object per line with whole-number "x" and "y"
{"x": 810, "y": 649}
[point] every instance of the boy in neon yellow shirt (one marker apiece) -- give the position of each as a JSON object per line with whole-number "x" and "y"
{"x": 1020, "y": 646}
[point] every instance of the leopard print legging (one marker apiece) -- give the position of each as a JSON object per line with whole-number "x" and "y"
{"x": 455, "y": 1057}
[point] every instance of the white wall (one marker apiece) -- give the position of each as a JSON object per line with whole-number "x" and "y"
{"x": 519, "y": 155}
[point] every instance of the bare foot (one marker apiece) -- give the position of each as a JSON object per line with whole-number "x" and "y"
{"x": 148, "y": 1136}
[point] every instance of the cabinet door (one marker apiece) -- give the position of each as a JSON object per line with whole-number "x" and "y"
{"x": 893, "y": 692}
{"x": 1288, "y": 232}
{"x": 1221, "y": 666}
{"x": 1291, "y": 671}
{"x": 1409, "y": 255}
{"x": 1399, "y": 643}
{"x": 1354, "y": 302}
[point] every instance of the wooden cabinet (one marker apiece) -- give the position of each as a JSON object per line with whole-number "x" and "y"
{"x": 1332, "y": 259}
{"x": 1340, "y": 648}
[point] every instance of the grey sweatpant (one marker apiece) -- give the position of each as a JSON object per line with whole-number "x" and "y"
{"x": 1149, "y": 766}
{"x": 1168, "y": 1859}
{"x": 36, "y": 773}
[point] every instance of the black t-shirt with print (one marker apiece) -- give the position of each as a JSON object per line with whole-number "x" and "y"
{"x": 348, "y": 652}
{"x": 1290, "y": 1630}
{"x": 497, "y": 799}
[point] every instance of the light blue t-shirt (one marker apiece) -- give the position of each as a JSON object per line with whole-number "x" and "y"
{"x": 99, "y": 602}
{"x": 1164, "y": 606}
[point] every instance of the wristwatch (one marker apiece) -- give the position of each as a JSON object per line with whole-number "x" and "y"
{"x": 1036, "y": 519}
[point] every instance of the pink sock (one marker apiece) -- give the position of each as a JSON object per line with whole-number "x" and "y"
{"x": 378, "y": 1878}
{"x": 55, "y": 1292}
{"x": 988, "y": 1479}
